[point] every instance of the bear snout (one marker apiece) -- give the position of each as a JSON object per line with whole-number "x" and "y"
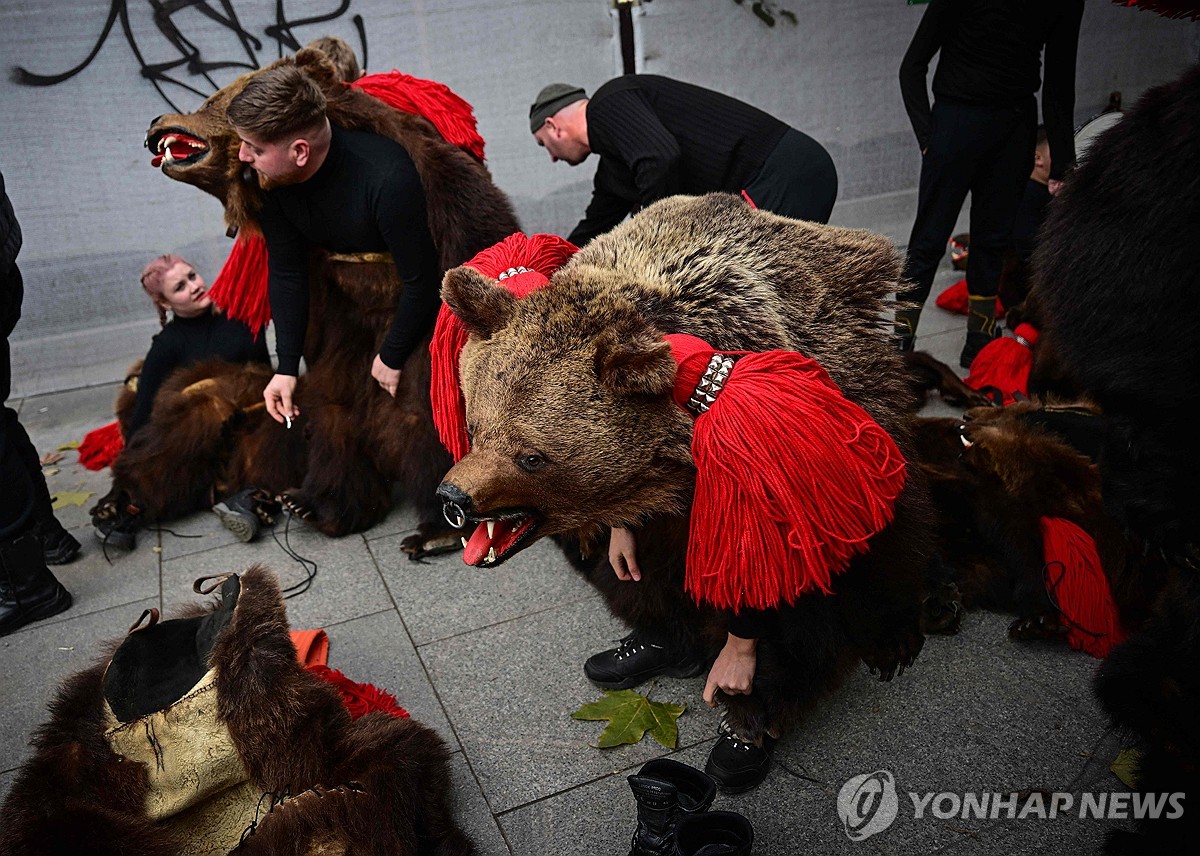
{"x": 456, "y": 504}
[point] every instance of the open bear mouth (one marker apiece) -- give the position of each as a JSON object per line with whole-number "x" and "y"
{"x": 175, "y": 147}
{"x": 499, "y": 537}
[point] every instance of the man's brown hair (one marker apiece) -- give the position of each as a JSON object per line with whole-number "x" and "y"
{"x": 277, "y": 103}
{"x": 340, "y": 54}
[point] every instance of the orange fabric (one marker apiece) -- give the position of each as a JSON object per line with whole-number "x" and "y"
{"x": 312, "y": 647}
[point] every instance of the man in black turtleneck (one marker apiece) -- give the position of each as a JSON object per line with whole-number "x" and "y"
{"x": 979, "y": 135}
{"x": 346, "y": 191}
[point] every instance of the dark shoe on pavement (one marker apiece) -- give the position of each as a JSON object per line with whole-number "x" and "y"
{"x": 58, "y": 545}
{"x": 737, "y": 764}
{"x": 665, "y": 791}
{"x": 638, "y": 659}
{"x": 28, "y": 591}
{"x": 905, "y": 342}
{"x": 976, "y": 341}
{"x": 244, "y": 513}
{"x": 714, "y": 833}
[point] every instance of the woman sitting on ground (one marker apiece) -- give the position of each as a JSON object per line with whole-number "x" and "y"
{"x": 193, "y": 330}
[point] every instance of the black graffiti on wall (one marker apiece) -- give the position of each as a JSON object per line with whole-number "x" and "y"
{"x": 189, "y": 68}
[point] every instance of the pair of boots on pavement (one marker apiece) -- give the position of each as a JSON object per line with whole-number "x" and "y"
{"x": 673, "y": 817}
{"x": 981, "y": 327}
{"x": 734, "y": 763}
{"x": 28, "y": 590}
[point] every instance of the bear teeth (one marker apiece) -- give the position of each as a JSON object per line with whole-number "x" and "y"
{"x": 966, "y": 443}
{"x": 464, "y": 540}
{"x": 491, "y": 556}
{"x": 491, "y": 528}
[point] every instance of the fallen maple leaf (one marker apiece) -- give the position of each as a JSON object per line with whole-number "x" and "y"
{"x": 1125, "y": 767}
{"x": 74, "y": 444}
{"x": 51, "y": 458}
{"x": 630, "y": 715}
{"x": 69, "y": 497}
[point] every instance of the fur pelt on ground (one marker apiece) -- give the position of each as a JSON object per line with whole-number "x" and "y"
{"x": 316, "y": 781}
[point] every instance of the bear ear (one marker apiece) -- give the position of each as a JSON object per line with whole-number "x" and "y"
{"x": 635, "y": 363}
{"x": 484, "y": 307}
{"x": 318, "y": 66}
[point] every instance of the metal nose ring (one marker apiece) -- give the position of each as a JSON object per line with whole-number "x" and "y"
{"x": 454, "y": 514}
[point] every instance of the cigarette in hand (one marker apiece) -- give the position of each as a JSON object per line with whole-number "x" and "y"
{"x": 289, "y": 421}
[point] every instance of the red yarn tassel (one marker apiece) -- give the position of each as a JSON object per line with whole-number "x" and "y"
{"x": 451, "y": 115}
{"x": 1077, "y": 584}
{"x": 792, "y": 479}
{"x": 541, "y": 256}
{"x": 101, "y": 446}
{"x": 240, "y": 289}
{"x": 360, "y": 699}
{"x": 1004, "y": 364}
{"x": 954, "y": 299}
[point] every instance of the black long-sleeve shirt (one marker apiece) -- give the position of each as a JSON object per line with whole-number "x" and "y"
{"x": 991, "y": 53}
{"x": 185, "y": 342}
{"x": 656, "y": 137}
{"x": 366, "y": 197}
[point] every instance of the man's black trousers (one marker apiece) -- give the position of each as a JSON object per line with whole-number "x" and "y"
{"x": 986, "y": 150}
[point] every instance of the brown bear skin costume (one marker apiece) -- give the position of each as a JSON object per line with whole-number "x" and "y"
{"x": 1114, "y": 282}
{"x": 357, "y": 440}
{"x": 311, "y": 779}
{"x": 580, "y": 372}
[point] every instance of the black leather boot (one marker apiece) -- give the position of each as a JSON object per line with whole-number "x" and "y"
{"x": 714, "y": 833}
{"x": 666, "y": 790}
{"x": 28, "y": 591}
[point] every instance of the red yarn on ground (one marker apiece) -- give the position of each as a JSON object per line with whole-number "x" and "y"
{"x": 1076, "y": 582}
{"x": 360, "y": 699}
{"x": 792, "y": 479}
{"x": 101, "y": 446}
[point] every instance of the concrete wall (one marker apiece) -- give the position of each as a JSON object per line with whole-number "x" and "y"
{"x": 93, "y": 212}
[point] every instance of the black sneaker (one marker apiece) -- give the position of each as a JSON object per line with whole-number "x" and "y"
{"x": 244, "y": 513}
{"x": 737, "y": 764}
{"x": 638, "y": 659}
{"x": 58, "y": 545}
{"x": 976, "y": 342}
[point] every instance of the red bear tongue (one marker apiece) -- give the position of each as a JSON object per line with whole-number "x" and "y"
{"x": 479, "y": 545}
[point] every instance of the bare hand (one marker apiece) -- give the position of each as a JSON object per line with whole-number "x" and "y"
{"x": 622, "y": 555}
{"x": 388, "y": 378}
{"x": 278, "y": 397}
{"x": 1054, "y": 185}
{"x": 733, "y": 671}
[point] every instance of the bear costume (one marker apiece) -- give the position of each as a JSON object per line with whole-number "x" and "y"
{"x": 574, "y": 429}
{"x": 356, "y": 440}
{"x": 204, "y": 734}
{"x": 1114, "y": 283}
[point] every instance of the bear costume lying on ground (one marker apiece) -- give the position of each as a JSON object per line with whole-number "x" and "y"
{"x": 994, "y": 476}
{"x": 358, "y": 439}
{"x": 1114, "y": 287}
{"x": 574, "y": 428}
{"x": 204, "y": 734}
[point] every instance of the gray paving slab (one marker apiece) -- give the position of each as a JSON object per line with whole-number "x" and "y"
{"x": 376, "y": 649}
{"x": 6, "y": 780}
{"x": 471, "y": 809}
{"x": 347, "y": 584}
{"x": 442, "y": 596}
{"x": 63, "y": 417}
{"x": 97, "y": 583}
{"x": 510, "y": 688}
{"x": 36, "y": 660}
